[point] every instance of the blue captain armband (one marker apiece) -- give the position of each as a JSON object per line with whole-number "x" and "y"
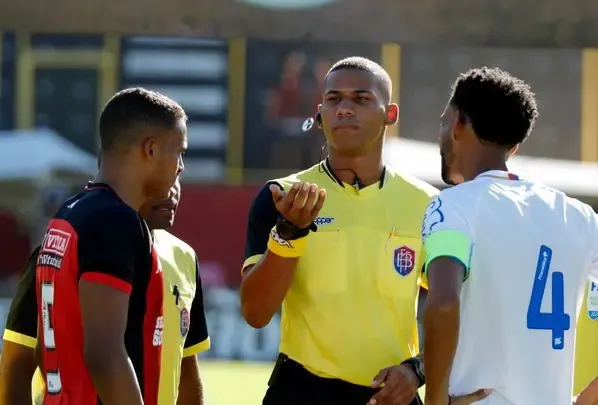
{"x": 449, "y": 244}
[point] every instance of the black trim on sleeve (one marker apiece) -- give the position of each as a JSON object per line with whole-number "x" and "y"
{"x": 198, "y": 330}
{"x": 110, "y": 242}
{"x": 22, "y": 317}
{"x": 262, "y": 218}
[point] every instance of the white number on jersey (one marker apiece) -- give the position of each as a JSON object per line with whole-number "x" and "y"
{"x": 54, "y": 385}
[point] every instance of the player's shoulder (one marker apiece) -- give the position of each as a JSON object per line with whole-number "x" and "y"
{"x": 584, "y": 210}
{"x": 98, "y": 208}
{"x": 178, "y": 245}
{"x": 408, "y": 185}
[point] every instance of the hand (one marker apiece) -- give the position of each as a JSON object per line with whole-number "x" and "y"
{"x": 470, "y": 398}
{"x": 398, "y": 386}
{"x": 301, "y": 205}
{"x": 464, "y": 399}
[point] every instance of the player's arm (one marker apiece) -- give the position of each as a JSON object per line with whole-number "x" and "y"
{"x": 18, "y": 362}
{"x": 266, "y": 276}
{"x": 197, "y": 341}
{"x": 107, "y": 252}
{"x": 448, "y": 243}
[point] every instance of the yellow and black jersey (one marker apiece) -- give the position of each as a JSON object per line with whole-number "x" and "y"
{"x": 185, "y": 330}
{"x": 351, "y": 309}
{"x": 586, "y": 340}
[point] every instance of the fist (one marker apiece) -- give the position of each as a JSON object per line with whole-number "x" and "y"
{"x": 301, "y": 205}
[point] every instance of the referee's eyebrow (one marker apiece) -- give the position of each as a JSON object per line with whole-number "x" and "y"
{"x": 337, "y": 92}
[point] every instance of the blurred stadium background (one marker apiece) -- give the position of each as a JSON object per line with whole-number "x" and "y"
{"x": 248, "y": 72}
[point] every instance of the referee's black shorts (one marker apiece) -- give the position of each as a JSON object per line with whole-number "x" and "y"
{"x": 292, "y": 384}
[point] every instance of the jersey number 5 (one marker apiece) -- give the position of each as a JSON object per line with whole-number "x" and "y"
{"x": 54, "y": 385}
{"x": 556, "y": 321}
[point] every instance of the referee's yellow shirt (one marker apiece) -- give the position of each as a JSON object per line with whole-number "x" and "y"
{"x": 185, "y": 330}
{"x": 351, "y": 309}
{"x": 586, "y": 341}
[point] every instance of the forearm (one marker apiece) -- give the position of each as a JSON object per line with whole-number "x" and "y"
{"x": 441, "y": 335}
{"x": 114, "y": 377}
{"x": 190, "y": 386}
{"x": 264, "y": 287}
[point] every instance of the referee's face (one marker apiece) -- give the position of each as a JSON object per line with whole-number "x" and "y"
{"x": 159, "y": 214}
{"x": 352, "y": 110}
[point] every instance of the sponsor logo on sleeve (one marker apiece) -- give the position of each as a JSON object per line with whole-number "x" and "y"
{"x": 432, "y": 218}
{"x": 54, "y": 247}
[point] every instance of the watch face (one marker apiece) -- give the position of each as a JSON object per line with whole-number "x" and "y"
{"x": 285, "y": 230}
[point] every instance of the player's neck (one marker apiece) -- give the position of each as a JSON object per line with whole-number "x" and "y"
{"x": 485, "y": 164}
{"x": 124, "y": 185}
{"x": 368, "y": 167}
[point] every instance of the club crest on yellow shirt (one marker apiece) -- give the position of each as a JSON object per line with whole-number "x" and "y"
{"x": 185, "y": 322}
{"x": 592, "y": 300}
{"x": 404, "y": 260}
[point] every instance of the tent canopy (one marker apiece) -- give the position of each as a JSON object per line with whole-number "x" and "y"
{"x": 34, "y": 161}
{"x": 36, "y": 154}
{"x": 422, "y": 159}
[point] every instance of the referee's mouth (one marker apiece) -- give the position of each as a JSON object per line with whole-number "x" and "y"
{"x": 168, "y": 206}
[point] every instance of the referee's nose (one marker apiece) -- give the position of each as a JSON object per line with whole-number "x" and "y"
{"x": 346, "y": 108}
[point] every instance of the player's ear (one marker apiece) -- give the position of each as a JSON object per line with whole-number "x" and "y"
{"x": 392, "y": 114}
{"x": 148, "y": 147}
{"x": 512, "y": 151}
{"x": 460, "y": 124}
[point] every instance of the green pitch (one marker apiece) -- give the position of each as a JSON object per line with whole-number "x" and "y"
{"x": 234, "y": 383}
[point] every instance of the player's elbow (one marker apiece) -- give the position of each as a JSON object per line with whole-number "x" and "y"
{"x": 443, "y": 303}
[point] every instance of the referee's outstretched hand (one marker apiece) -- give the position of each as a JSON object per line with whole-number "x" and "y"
{"x": 301, "y": 205}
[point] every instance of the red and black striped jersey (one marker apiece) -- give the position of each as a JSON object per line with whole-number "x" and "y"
{"x": 96, "y": 237}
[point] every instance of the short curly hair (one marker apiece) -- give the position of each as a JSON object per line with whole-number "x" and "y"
{"x": 500, "y": 107}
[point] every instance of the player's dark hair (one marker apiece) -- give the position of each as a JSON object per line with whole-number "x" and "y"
{"x": 501, "y": 108}
{"x": 367, "y": 65}
{"x": 133, "y": 110}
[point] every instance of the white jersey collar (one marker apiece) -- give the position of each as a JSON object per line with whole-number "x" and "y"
{"x": 498, "y": 174}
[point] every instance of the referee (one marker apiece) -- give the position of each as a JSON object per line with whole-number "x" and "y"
{"x": 348, "y": 291}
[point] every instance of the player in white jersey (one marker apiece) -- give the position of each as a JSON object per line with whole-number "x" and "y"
{"x": 507, "y": 258}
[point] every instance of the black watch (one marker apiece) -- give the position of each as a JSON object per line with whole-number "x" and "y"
{"x": 417, "y": 365}
{"x": 289, "y": 231}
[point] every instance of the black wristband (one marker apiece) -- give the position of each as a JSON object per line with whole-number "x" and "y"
{"x": 418, "y": 368}
{"x": 289, "y": 231}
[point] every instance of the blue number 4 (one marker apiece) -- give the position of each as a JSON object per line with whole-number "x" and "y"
{"x": 556, "y": 321}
